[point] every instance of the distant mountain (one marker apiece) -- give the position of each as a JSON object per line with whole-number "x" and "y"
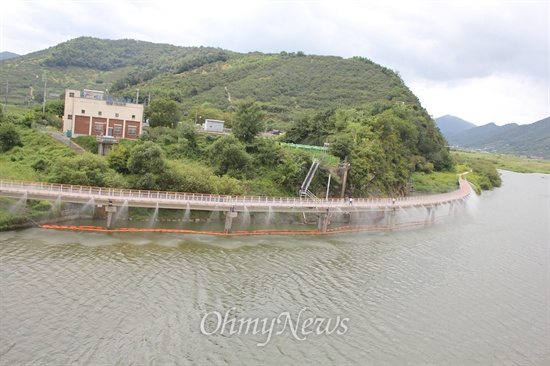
{"x": 479, "y": 135}
{"x": 531, "y": 140}
{"x": 452, "y": 125}
{"x": 5, "y": 55}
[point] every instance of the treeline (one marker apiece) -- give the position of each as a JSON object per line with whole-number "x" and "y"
{"x": 106, "y": 55}
{"x": 284, "y": 84}
{"x": 384, "y": 145}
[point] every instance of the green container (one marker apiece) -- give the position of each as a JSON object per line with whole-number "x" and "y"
{"x": 68, "y": 133}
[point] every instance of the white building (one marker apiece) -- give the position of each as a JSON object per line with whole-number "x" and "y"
{"x": 213, "y": 125}
{"x": 92, "y": 112}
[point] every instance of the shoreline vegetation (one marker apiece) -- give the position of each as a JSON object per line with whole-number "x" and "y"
{"x": 505, "y": 162}
{"x": 482, "y": 168}
{"x": 34, "y": 151}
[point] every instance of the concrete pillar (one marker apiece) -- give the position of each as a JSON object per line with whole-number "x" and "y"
{"x": 430, "y": 215}
{"x": 452, "y": 208}
{"x": 387, "y": 218}
{"x": 392, "y": 216}
{"x": 110, "y": 210}
{"x": 347, "y": 217}
{"x": 229, "y": 216}
{"x": 322, "y": 223}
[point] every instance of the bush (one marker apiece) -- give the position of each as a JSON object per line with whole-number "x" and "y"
{"x": 9, "y": 136}
{"x": 87, "y": 170}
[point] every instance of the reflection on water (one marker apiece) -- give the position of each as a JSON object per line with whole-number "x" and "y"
{"x": 469, "y": 291}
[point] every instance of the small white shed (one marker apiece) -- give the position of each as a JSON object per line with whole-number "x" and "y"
{"x": 213, "y": 125}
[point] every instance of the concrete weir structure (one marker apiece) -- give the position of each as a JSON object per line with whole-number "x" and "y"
{"x": 377, "y": 211}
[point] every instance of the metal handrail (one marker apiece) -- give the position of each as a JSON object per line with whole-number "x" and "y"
{"x": 104, "y": 192}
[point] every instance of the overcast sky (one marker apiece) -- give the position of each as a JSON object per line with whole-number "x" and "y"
{"x": 482, "y": 61}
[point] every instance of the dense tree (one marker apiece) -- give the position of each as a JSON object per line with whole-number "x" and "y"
{"x": 341, "y": 145}
{"x": 55, "y": 107}
{"x": 118, "y": 159}
{"x": 85, "y": 169}
{"x": 188, "y": 132}
{"x": 267, "y": 152}
{"x": 196, "y": 177}
{"x": 9, "y": 136}
{"x": 248, "y": 121}
{"x": 229, "y": 156}
{"x": 163, "y": 112}
{"x": 312, "y": 129}
{"x": 293, "y": 168}
{"x": 194, "y": 62}
{"x": 146, "y": 158}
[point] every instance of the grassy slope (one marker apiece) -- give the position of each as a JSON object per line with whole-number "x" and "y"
{"x": 37, "y": 148}
{"x": 508, "y": 162}
{"x": 470, "y": 161}
{"x": 17, "y": 164}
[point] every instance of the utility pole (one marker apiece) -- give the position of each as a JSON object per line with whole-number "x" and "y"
{"x": 137, "y": 97}
{"x": 7, "y": 90}
{"x": 346, "y": 167}
{"x": 328, "y": 185}
{"x": 44, "y": 104}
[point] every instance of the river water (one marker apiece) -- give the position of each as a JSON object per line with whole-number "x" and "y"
{"x": 473, "y": 290}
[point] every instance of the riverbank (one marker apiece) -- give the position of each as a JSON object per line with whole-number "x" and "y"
{"x": 505, "y": 162}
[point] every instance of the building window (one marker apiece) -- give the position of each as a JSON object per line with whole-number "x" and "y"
{"x": 116, "y": 115}
{"x": 83, "y": 111}
{"x": 133, "y": 116}
{"x": 117, "y": 130}
{"x": 132, "y": 130}
{"x": 71, "y": 95}
{"x": 69, "y": 116}
{"x": 98, "y": 127}
{"x": 99, "y": 113}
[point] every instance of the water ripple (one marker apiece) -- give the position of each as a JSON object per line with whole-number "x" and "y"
{"x": 474, "y": 292}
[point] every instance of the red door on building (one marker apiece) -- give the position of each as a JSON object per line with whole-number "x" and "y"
{"x": 82, "y": 125}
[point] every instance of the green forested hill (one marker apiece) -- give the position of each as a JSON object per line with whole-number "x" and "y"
{"x": 364, "y": 110}
{"x": 284, "y": 83}
{"x": 91, "y": 63}
{"x": 201, "y": 75}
